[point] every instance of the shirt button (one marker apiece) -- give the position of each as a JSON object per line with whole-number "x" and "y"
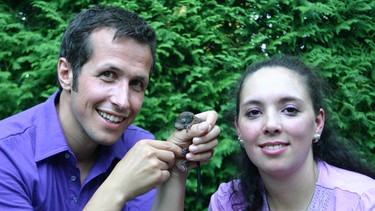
{"x": 73, "y": 178}
{"x": 67, "y": 155}
{"x": 74, "y": 199}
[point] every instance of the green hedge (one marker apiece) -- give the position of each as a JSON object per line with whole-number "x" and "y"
{"x": 203, "y": 47}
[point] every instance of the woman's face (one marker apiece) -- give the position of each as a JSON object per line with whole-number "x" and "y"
{"x": 276, "y": 121}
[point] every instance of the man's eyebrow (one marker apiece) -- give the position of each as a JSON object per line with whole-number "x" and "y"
{"x": 142, "y": 78}
{"x": 116, "y": 69}
{"x": 110, "y": 67}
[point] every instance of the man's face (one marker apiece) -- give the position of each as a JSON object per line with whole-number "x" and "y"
{"x": 111, "y": 87}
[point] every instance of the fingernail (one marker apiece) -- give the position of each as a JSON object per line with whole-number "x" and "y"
{"x": 193, "y": 148}
{"x": 203, "y": 126}
{"x": 197, "y": 140}
{"x": 189, "y": 156}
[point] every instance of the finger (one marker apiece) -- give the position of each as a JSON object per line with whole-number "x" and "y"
{"x": 156, "y": 153}
{"x": 183, "y": 137}
{"x": 200, "y": 148}
{"x": 214, "y": 133}
{"x": 208, "y": 116}
{"x": 201, "y": 157}
{"x": 167, "y": 146}
{"x": 165, "y": 174}
{"x": 166, "y": 158}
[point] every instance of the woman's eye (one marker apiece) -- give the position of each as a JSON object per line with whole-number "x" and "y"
{"x": 253, "y": 113}
{"x": 291, "y": 110}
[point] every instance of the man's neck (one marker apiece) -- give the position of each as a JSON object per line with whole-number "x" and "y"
{"x": 84, "y": 150}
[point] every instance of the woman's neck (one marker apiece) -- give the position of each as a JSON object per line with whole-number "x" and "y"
{"x": 294, "y": 192}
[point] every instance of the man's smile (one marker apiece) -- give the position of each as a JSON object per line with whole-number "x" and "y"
{"x": 111, "y": 118}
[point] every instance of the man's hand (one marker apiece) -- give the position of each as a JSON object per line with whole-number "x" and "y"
{"x": 144, "y": 167}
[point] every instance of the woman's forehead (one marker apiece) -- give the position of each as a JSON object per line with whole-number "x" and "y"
{"x": 274, "y": 81}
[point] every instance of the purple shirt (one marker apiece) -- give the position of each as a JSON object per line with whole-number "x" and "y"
{"x": 336, "y": 189}
{"x": 39, "y": 172}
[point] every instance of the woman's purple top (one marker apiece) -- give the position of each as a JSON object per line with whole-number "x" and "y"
{"x": 336, "y": 189}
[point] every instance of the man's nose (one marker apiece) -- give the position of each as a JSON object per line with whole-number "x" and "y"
{"x": 120, "y": 98}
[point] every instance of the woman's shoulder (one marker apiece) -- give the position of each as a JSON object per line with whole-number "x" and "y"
{"x": 227, "y": 188}
{"x": 333, "y": 177}
{"x": 340, "y": 189}
{"x": 227, "y": 195}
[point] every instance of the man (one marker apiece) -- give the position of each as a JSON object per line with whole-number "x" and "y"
{"x": 79, "y": 149}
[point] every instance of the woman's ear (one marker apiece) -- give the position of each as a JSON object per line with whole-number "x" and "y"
{"x": 237, "y": 128}
{"x": 319, "y": 121}
{"x": 65, "y": 74}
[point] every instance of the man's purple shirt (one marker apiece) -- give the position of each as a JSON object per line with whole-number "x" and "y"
{"x": 38, "y": 171}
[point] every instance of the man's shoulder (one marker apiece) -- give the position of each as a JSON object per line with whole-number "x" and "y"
{"x": 17, "y": 141}
{"x": 40, "y": 114}
{"x": 19, "y": 123}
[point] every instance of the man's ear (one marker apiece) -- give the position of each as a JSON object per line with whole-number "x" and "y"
{"x": 65, "y": 74}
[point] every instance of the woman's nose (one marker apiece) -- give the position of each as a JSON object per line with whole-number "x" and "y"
{"x": 272, "y": 124}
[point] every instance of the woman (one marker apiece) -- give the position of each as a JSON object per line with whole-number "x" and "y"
{"x": 290, "y": 159}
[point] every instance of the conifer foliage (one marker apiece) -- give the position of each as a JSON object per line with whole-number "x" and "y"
{"x": 203, "y": 47}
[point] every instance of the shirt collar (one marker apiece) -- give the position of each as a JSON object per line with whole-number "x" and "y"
{"x": 49, "y": 135}
{"x": 50, "y": 139}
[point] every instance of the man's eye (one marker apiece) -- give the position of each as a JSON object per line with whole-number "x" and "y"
{"x": 137, "y": 85}
{"x": 107, "y": 76}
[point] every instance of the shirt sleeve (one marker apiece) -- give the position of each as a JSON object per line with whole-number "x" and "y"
{"x": 14, "y": 191}
{"x": 228, "y": 197}
{"x": 220, "y": 199}
{"x": 366, "y": 201}
{"x": 215, "y": 203}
